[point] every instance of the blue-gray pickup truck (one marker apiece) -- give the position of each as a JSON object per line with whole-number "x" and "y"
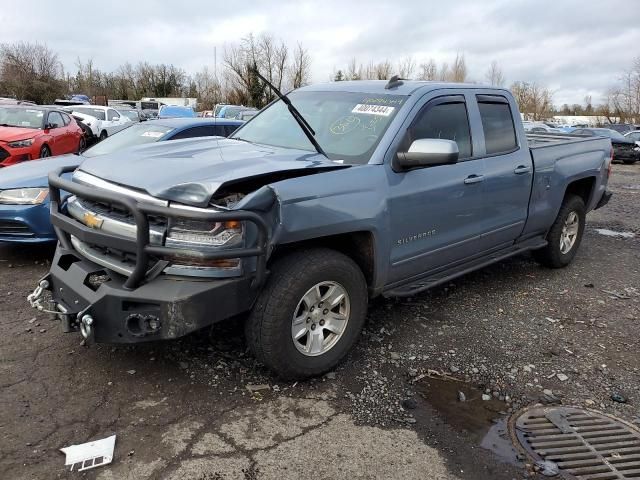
{"x": 330, "y": 196}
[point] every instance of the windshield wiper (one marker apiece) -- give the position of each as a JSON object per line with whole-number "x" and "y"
{"x": 304, "y": 125}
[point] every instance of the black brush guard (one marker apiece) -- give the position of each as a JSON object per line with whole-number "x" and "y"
{"x": 66, "y": 226}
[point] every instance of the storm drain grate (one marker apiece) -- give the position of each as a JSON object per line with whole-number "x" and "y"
{"x": 583, "y": 445}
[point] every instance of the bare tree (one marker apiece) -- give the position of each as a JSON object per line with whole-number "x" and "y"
{"x": 30, "y": 71}
{"x": 406, "y": 66}
{"x": 299, "y": 72}
{"x": 458, "y": 69}
{"x": 494, "y": 75}
{"x": 444, "y": 74}
{"x": 428, "y": 71}
{"x": 535, "y": 101}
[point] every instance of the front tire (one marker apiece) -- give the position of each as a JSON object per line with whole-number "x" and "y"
{"x": 309, "y": 314}
{"x": 45, "y": 152}
{"x": 565, "y": 235}
{"x": 103, "y": 135}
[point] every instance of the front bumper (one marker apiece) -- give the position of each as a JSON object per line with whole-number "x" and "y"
{"x": 11, "y": 156}
{"x": 26, "y": 223}
{"x": 146, "y": 304}
{"x": 165, "y": 308}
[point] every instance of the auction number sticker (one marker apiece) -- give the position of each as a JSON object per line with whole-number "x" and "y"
{"x": 152, "y": 134}
{"x": 381, "y": 110}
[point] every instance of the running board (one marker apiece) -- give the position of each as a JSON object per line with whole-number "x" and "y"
{"x": 413, "y": 288}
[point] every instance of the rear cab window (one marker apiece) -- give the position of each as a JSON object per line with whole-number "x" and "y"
{"x": 497, "y": 124}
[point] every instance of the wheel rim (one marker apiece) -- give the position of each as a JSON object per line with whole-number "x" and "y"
{"x": 44, "y": 153}
{"x": 569, "y": 232}
{"x": 320, "y": 319}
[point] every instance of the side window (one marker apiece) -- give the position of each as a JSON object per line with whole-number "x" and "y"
{"x": 497, "y": 124}
{"x": 229, "y": 129}
{"x": 202, "y": 131}
{"x": 65, "y": 118}
{"x": 447, "y": 121}
{"x": 55, "y": 120}
{"x": 219, "y": 131}
{"x": 112, "y": 115}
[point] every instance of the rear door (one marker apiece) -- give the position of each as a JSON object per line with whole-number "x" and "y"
{"x": 435, "y": 213}
{"x": 508, "y": 172}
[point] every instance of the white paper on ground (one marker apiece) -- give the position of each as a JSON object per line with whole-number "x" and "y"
{"x": 91, "y": 454}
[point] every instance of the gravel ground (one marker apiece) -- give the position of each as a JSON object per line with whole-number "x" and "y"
{"x": 515, "y": 332}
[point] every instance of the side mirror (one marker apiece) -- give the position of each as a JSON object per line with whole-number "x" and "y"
{"x": 115, "y": 119}
{"x": 428, "y": 152}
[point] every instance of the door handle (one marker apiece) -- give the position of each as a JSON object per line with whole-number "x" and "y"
{"x": 473, "y": 179}
{"x": 521, "y": 169}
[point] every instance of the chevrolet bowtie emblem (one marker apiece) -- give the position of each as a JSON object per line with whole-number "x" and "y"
{"x": 92, "y": 220}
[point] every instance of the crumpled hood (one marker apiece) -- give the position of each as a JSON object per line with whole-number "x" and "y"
{"x": 192, "y": 173}
{"x": 11, "y": 134}
{"x": 34, "y": 173}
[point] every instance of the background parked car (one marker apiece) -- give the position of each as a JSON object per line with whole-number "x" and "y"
{"x": 624, "y": 150}
{"x": 131, "y": 113}
{"x": 30, "y": 132}
{"x": 634, "y": 136}
{"x": 621, "y": 127}
{"x": 108, "y": 120}
{"x": 176, "y": 111}
{"x": 24, "y": 200}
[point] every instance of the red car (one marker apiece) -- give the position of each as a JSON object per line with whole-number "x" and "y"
{"x": 28, "y": 132}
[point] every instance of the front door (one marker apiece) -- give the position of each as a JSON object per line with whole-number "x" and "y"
{"x": 436, "y": 213}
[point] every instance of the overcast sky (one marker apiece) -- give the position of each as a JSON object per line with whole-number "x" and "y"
{"x": 574, "y": 47}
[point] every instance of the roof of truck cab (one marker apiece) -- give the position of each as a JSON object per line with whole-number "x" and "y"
{"x": 377, "y": 86}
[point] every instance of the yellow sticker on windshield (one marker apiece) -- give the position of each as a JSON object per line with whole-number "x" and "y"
{"x": 381, "y": 110}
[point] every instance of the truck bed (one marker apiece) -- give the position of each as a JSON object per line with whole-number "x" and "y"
{"x": 560, "y": 159}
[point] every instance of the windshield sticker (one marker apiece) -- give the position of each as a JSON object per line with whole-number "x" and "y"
{"x": 381, "y": 110}
{"x": 384, "y": 101}
{"x": 344, "y": 125}
{"x": 152, "y": 134}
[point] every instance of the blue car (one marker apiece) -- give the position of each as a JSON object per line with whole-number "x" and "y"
{"x": 24, "y": 191}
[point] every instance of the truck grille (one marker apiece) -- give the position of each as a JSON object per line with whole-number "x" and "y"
{"x": 118, "y": 213}
{"x": 15, "y": 228}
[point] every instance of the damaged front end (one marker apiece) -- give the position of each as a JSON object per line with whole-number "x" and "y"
{"x": 127, "y": 271}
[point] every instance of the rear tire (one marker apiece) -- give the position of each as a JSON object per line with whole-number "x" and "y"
{"x": 103, "y": 135}
{"x": 309, "y": 314}
{"x": 45, "y": 151}
{"x": 82, "y": 144}
{"x": 565, "y": 235}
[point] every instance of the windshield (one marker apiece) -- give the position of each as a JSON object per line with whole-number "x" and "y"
{"x": 348, "y": 125}
{"x": 21, "y": 117}
{"x": 94, "y": 112}
{"x": 137, "y": 134}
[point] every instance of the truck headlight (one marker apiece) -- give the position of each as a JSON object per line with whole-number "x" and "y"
{"x": 21, "y": 143}
{"x": 204, "y": 236}
{"x": 198, "y": 234}
{"x": 24, "y": 196}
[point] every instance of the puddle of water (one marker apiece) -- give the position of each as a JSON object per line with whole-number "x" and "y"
{"x": 484, "y": 420}
{"x": 613, "y": 233}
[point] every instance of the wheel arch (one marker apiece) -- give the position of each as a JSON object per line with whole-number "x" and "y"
{"x": 360, "y": 246}
{"x": 583, "y": 188}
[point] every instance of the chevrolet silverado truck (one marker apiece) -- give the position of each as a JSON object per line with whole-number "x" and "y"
{"x": 330, "y": 196}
